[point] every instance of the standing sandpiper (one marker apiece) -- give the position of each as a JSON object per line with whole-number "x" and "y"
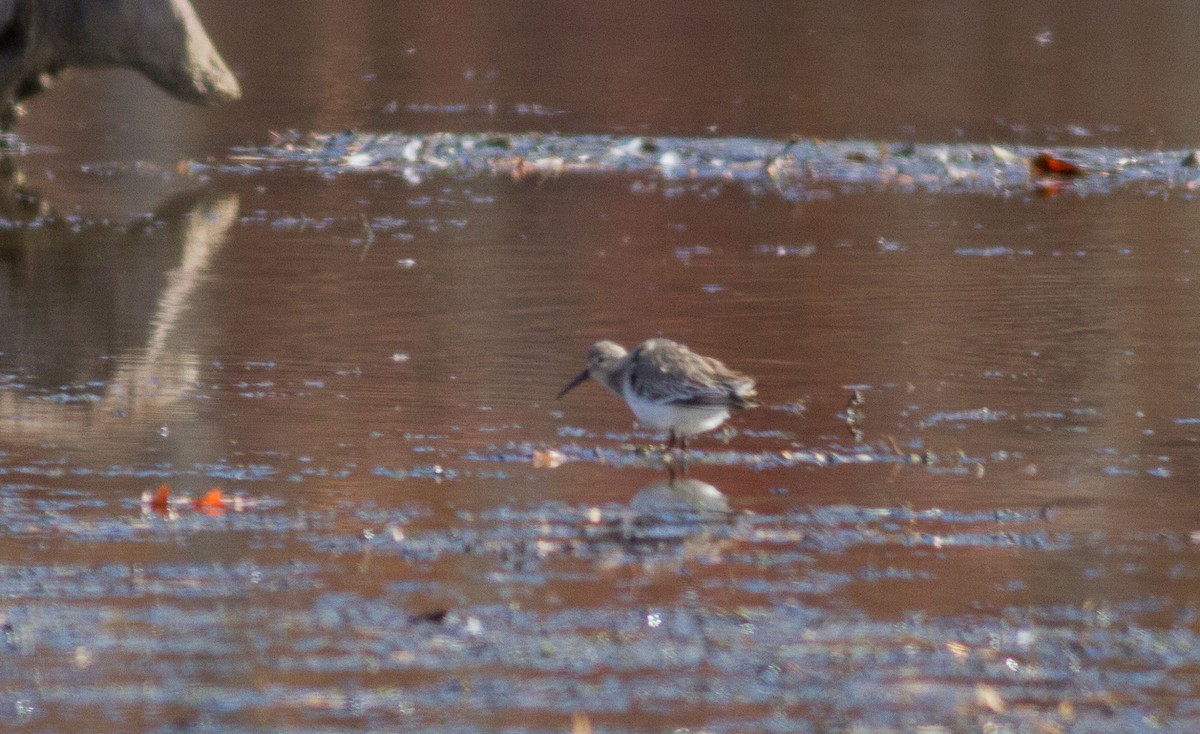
{"x": 668, "y": 386}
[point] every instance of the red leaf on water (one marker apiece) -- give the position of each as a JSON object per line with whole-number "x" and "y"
{"x": 160, "y": 500}
{"x": 1051, "y": 165}
{"x": 212, "y": 503}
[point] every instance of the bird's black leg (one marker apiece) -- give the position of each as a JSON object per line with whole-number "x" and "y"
{"x": 670, "y": 438}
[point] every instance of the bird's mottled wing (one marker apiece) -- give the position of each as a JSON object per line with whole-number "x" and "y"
{"x": 669, "y": 373}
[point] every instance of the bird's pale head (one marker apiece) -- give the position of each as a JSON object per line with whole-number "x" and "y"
{"x": 603, "y": 357}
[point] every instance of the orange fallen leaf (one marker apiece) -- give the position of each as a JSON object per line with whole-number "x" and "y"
{"x": 548, "y": 459}
{"x": 213, "y": 502}
{"x": 1046, "y": 163}
{"x": 160, "y": 500}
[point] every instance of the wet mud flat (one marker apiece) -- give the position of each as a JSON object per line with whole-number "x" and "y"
{"x": 716, "y": 619}
{"x": 966, "y": 504}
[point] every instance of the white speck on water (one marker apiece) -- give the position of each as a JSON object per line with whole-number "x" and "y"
{"x": 804, "y": 250}
{"x": 412, "y": 150}
{"x": 633, "y": 146}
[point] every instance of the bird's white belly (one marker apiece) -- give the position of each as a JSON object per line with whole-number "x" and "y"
{"x": 684, "y": 420}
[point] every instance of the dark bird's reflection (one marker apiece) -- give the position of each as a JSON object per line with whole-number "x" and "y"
{"x": 18, "y": 202}
{"x": 99, "y": 323}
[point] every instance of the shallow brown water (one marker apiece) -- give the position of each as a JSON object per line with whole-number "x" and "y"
{"x": 369, "y": 363}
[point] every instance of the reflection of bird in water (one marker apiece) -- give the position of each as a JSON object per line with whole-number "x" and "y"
{"x": 668, "y": 386}
{"x": 667, "y": 522}
{"x": 154, "y": 328}
{"x": 678, "y": 496}
{"x": 671, "y": 521}
{"x": 18, "y": 202}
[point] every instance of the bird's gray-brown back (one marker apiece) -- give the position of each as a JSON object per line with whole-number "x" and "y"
{"x": 664, "y": 371}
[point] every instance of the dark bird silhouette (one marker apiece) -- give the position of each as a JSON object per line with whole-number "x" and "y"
{"x": 163, "y": 39}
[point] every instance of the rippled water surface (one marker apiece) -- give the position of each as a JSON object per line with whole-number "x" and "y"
{"x": 967, "y": 503}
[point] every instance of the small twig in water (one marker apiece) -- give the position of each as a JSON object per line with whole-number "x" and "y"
{"x": 369, "y": 234}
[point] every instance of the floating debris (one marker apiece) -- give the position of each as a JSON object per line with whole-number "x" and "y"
{"x": 1050, "y": 165}
{"x": 854, "y": 415}
{"x": 548, "y": 459}
{"x": 798, "y": 169}
{"x": 213, "y": 502}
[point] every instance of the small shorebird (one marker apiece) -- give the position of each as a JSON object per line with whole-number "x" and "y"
{"x": 668, "y": 386}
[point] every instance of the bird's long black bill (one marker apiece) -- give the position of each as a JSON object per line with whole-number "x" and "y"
{"x": 573, "y": 384}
